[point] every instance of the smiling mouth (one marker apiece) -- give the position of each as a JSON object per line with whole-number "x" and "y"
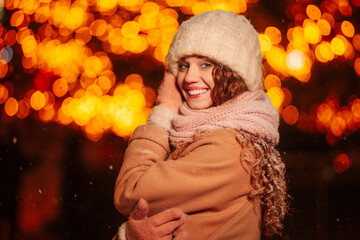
{"x": 197, "y": 92}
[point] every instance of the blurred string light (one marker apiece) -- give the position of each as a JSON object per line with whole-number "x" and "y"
{"x": 70, "y": 57}
{"x": 315, "y": 36}
{"x": 74, "y": 83}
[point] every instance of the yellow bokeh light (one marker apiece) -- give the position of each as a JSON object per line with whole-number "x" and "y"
{"x": 37, "y": 100}
{"x": 137, "y": 44}
{"x": 59, "y": 14}
{"x": 175, "y": 3}
{"x": 168, "y": 12}
{"x": 134, "y": 81}
{"x": 135, "y": 100}
{"x": 62, "y": 118}
{"x": 348, "y": 29}
{"x": 104, "y": 83}
{"x": 237, "y": 6}
{"x": 147, "y": 21}
{"x": 105, "y": 5}
{"x": 158, "y": 55}
{"x": 329, "y": 18}
{"x": 94, "y": 90}
{"x": 121, "y": 90}
{"x": 274, "y": 34}
{"x": 134, "y": 5}
{"x": 271, "y": 81}
{"x": 98, "y": 27}
{"x": 115, "y": 37}
{"x": 43, "y": 13}
{"x": 83, "y": 34}
{"x": 22, "y": 33}
{"x": 276, "y": 57}
{"x": 29, "y": 45}
{"x": 295, "y": 60}
{"x": 92, "y": 66}
{"x": 324, "y": 27}
{"x": 323, "y": 52}
{"x": 46, "y": 115}
{"x": 150, "y": 96}
{"x": 276, "y": 95}
{"x": 60, "y": 87}
{"x": 17, "y": 18}
{"x": 338, "y": 46}
{"x": 50, "y": 100}
{"x": 218, "y": 5}
{"x": 74, "y": 18}
{"x": 187, "y": 7}
{"x": 312, "y": 33}
{"x": 265, "y": 43}
{"x": 154, "y": 37}
{"x": 11, "y": 106}
{"x": 130, "y": 29}
{"x": 338, "y": 126}
{"x": 313, "y": 12}
{"x": 200, "y": 7}
{"x": 150, "y": 8}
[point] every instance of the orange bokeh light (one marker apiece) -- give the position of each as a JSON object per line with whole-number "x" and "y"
{"x": 11, "y": 106}
{"x": 341, "y": 163}
{"x": 290, "y": 114}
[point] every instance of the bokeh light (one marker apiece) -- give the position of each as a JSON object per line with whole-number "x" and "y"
{"x": 341, "y": 163}
{"x": 70, "y": 57}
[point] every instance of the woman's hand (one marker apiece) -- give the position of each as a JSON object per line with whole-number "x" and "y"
{"x": 167, "y": 103}
{"x": 158, "y": 227}
{"x": 168, "y": 93}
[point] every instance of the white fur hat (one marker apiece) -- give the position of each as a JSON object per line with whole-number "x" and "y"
{"x": 225, "y": 37}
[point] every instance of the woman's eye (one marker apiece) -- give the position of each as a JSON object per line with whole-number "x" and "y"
{"x": 183, "y": 66}
{"x": 206, "y": 65}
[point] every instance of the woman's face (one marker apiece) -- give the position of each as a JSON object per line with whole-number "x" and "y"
{"x": 195, "y": 80}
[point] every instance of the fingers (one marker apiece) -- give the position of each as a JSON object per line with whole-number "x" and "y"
{"x": 169, "y": 227}
{"x": 182, "y": 235}
{"x": 141, "y": 210}
{"x": 167, "y": 216}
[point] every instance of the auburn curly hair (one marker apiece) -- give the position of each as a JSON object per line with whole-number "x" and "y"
{"x": 267, "y": 174}
{"x": 228, "y": 84}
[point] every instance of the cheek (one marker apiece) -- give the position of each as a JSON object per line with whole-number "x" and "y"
{"x": 211, "y": 82}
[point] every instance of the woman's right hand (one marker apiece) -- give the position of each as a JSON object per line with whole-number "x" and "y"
{"x": 158, "y": 227}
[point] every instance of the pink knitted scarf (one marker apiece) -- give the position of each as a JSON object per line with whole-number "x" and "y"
{"x": 251, "y": 112}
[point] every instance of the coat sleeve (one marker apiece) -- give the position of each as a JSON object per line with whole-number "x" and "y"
{"x": 206, "y": 175}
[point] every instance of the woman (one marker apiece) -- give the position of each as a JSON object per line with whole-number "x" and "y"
{"x": 208, "y": 148}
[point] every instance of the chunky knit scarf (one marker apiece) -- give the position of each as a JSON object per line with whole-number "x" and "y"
{"x": 251, "y": 112}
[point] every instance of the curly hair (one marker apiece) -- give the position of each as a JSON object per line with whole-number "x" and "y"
{"x": 267, "y": 177}
{"x": 228, "y": 84}
{"x": 267, "y": 174}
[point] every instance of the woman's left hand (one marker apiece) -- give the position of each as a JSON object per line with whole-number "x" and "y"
{"x": 158, "y": 227}
{"x": 168, "y": 93}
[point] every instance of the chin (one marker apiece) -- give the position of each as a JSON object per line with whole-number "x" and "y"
{"x": 199, "y": 106}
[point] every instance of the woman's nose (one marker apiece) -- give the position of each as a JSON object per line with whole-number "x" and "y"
{"x": 192, "y": 75}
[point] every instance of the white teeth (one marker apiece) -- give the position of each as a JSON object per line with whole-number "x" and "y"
{"x": 196, "y": 92}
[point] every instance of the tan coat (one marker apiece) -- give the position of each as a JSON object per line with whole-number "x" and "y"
{"x": 206, "y": 179}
